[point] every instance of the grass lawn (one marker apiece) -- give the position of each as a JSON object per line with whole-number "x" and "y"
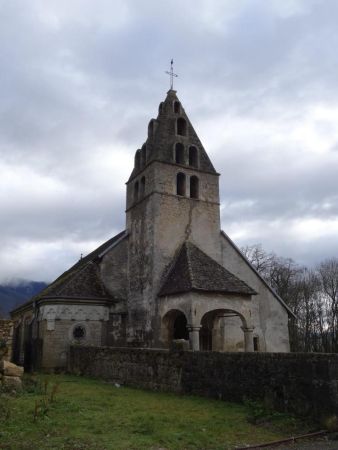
{"x": 91, "y": 414}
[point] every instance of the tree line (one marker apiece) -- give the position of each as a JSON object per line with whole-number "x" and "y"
{"x": 311, "y": 293}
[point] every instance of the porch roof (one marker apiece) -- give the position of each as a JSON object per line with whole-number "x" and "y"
{"x": 193, "y": 270}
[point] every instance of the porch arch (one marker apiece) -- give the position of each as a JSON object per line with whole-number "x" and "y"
{"x": 213, "y": 324}
{"x": 174, "y": 326}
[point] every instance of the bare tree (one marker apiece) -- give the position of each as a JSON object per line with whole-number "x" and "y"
{"x": 328, "y": 274}
{"x": 311, "y": 294}
{"x": 259, "y": 258}
{"x": 300, "y": 289}
{"x": 309, "y": 312}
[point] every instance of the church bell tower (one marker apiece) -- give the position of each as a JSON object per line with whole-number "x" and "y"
{"x": 172, "y": 197}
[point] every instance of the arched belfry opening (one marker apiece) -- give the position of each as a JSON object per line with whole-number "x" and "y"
{"x": 160, "y": 108}
{"x": 179, "y": 153}
{"x": 136, "y": 191}
{"x": 151, "y": 128}
{"x": 194, "y": 187}
{"x": 143, "y": 155}
{"x": 180, "y": 184}
{"x": 181, "y": 126}
{"x": 142, "y": 187}
{"x": 138, "y": 160}
{"x": 177, "y": 107}
{"x": 193, "y": 156}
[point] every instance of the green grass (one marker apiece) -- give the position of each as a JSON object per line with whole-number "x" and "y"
{"x": 91, "y": 414}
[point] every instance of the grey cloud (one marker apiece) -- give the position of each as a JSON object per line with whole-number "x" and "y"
{"x": 80, "y": 81}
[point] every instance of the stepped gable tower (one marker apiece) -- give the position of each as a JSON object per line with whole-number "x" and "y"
{"x": 172, "y": 197}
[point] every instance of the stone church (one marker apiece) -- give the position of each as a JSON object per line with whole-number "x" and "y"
{"x": 171, "y": 274}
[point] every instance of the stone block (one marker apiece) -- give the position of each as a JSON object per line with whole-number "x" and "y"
{"x": 11, "y": 370}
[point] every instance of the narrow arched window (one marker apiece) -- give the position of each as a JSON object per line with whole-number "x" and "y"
{"x": 160, "y": 108}
{"x": 180, "y": 184}
{"x": 181, "y": 127}
{"x": 179, "y": 153}
{"x": 194, "y": 187}
{"x": 151, "y": 128}
{"x": 193, "y": 156}
{"x": 137, "y": 159}
{"x": 143, "y": 155}
{"x": 142, "y": 187}
{"x": 177, "y": 107}
{"x": 136, "y": 191}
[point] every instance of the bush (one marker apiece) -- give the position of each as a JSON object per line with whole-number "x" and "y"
{"x": 331, "y": 423}
{"x": 32, "y": 385}
{"x": 259, "y": 413}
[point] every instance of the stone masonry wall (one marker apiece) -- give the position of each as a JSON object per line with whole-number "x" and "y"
{"x": 56, "y": 342}
{"x": 306, "y": 384}
{"x": 6, "y": 339}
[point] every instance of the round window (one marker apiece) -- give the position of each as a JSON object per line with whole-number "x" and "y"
{"x": 79, "y": 332}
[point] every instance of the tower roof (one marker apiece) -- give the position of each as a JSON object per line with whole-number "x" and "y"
{"x": 193, "y": 270}
{"x": 172, "y": 126}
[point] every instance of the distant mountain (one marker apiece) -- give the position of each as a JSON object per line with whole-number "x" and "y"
{"x": 15, "y": 293}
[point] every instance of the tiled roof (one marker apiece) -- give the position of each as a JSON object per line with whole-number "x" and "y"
{"x": 82, "y": 280}
{"x": 193, "y": 270}
{"x": 84, "y": 283}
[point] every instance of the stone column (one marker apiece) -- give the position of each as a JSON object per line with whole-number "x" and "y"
{"x": 248, "y": 339}
{"x": 216, "y": 336}
{"x": 194, "y": 337}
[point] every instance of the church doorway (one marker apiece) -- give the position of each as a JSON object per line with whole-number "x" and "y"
{"x": 174, "y": 326}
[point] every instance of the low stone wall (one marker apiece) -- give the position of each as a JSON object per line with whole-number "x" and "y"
{"x": 6, "y": 339}
{"x": 303, "y": 383}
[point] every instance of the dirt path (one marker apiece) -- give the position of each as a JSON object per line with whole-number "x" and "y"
{"x": 318, "y": 444}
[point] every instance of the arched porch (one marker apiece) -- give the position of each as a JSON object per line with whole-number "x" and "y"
{"x": 210, "y": 330}
{"x": 174, "y": 326}
{"x": 225, "y": 330}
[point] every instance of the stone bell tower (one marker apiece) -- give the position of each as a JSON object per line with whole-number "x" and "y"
{"x": 172, "y": 197}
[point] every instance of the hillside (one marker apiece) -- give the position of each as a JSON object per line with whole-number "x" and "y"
{"x": 14, "y": 294}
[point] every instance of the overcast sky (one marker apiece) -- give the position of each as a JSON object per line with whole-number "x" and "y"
{"x": 80, "y": 80}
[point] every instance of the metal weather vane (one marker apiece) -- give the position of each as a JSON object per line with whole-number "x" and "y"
{"x": 172, "y": 74}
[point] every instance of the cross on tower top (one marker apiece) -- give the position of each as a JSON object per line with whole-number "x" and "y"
{"x": 172, "y": 74}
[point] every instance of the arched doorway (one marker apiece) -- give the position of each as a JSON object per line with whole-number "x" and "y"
{"x": 180, "y": 328}
{"x": 222, "y": 330}
{"x": 174, "y": 326}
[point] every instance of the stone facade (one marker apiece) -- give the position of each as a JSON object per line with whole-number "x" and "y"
{"x": 305, "y": 384}
{"x": 172, "y": 274}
